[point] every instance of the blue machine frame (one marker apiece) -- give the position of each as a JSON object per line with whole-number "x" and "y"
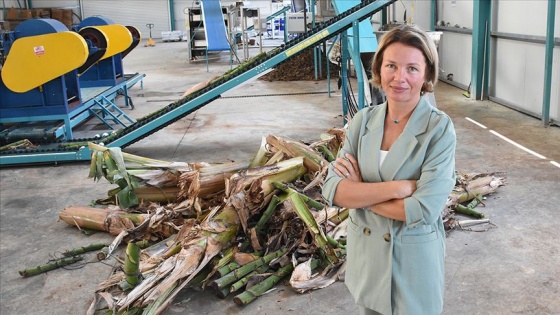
{"x": 71, "y": 98}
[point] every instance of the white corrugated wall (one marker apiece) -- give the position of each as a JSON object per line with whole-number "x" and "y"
{"x": 136, "y": 13}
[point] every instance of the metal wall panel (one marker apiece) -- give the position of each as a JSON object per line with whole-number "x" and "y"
{"x": 135, "y": 13}
{"x": 455, "y": 57}
{"x": 517, "y": 68}
{"x": 518, "y": 77}
{"x": 455, "y": 49}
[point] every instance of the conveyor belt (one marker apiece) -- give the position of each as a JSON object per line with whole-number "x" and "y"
{"x": 77, "y": 150}
{"x": 214, "y": 26}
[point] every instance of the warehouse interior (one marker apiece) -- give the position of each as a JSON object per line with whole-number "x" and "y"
{"x": 498, "y": 81}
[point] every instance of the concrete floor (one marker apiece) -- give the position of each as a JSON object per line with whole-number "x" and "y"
{"x": 513, "y": 268}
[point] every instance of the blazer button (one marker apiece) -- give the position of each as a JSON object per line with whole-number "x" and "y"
{"x": 367, "y": 231}
{"x": 387, "y": 237}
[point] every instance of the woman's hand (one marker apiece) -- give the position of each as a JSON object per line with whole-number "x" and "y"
{"x": 348, "y": 168}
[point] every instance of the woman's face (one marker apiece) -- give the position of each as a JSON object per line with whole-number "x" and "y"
{"x": 403, "y": 71}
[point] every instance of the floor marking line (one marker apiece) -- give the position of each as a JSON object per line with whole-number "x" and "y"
{"x": 476, "y": 123}
{"x": 518, "y": 145}
{"x": 555, "y": 164}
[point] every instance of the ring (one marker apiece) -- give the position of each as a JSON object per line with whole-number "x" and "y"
{"x": 347, "y": 174}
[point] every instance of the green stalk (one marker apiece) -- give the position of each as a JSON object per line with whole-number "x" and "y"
{"x": 152, "y": 308}
{"x": 313, "y": 160}
{"x": 131, "y": 265}
{"x": 243, "y": 281}
{"x": 303, "y": 212}
{"x": 260, "y": 157}
{"x": 329, "y": 156}
{"x": 260, "y": 226}
{"x": 128, "y": 157}
{"x": 50, "y": 266}
{"x": 255, "y": 291}
{"x": 224, "y": 270}
{"x": 468, "y": 211}
{"x": 240, "y": 272}
{"x": 17, "y": 144}
{"x": 475, "y": 202}
{"x": 81, "y": 250}
{"x": 341, "y": 216}
{"x": 311, "y": 202}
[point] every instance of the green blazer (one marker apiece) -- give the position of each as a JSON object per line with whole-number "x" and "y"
{"x": 396, "y": 267}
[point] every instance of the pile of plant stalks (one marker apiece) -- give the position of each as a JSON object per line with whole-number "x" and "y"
{"x": 235, "y": 229}
{"x": 301, "y": 68}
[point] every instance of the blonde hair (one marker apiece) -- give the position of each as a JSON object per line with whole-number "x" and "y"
{"x": 413, "y": 36}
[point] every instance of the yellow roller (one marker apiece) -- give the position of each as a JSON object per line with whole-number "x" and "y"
{"x": 118, "y": 38}
{"x": 36, "y": 60}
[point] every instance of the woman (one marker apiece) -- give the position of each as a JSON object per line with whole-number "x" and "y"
{"x": 395, "y": 171}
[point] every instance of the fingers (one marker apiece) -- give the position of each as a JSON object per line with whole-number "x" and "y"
{"x": 346, "y": 167}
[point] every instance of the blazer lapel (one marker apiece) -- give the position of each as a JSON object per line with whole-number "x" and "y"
{"x": 406, "y": 142}
{"x": 371, "y": 144}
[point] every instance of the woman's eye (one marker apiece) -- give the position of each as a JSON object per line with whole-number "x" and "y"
{"x": 412, "y": 69}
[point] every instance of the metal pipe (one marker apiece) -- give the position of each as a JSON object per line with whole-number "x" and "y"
{"x": 358, "y": 63}
{"x": 524, "y": 38}
{"x": 548, "y": 62}
{"x": 328, "y": 65}
{"x": 315, "y": 63}
{"x": 172, "y": 15}
{"x": 344, "y": 74}
{"x": 459, "y": 30}
{"x": 433, "y": 15}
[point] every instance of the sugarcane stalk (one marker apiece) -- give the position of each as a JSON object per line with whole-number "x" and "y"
{"x": 157, "y": 194}
{"x": 224, "y": 270}
{"x": 151, "y": 309}
{"x": 469, "y": 211}
{"x": 142, "y": 244}
{"x": 260, "y": 157}
{"x": 465, "y": 223}
{"x": 340, "y": 216}
{"x": 223, "y": 293}
{"x": 475, "y": 202}
{"x": 329, "y": 156}
{"x": 131, "y": 266}
{"x": 240, "y": 272}
{"x": 50, "y": 266}
{"x": 17, "y": 144}
{"x": 464, "y": 196}
{"x": 84, "y": 249}
{"x": 260, "y": 226}
{"x": 129, "y": 157}
{"x": 334, "y": 242}
{"x": 255, "y": 291}
{"x": 305, "y": 215}
{"x": 243, "y": 281}
{"x": 103, "y": 253}
{"x": 311, "y": 202}
{"x": 313, "y": 160}
{"x": 112, "y": 221}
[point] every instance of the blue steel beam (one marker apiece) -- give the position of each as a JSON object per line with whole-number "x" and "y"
{"x": 549, "y": 51}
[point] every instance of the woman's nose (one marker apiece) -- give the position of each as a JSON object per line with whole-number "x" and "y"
{"x": 399, "y": 75}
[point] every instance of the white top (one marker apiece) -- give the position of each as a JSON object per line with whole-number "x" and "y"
{"x": 382, "y": 157}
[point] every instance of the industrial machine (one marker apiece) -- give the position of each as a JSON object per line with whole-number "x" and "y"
{"x": 52, "y": 78}
{"x": 207, "y": 26}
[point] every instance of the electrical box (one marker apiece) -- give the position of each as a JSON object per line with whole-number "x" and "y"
{"x": 296, "y": 22}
